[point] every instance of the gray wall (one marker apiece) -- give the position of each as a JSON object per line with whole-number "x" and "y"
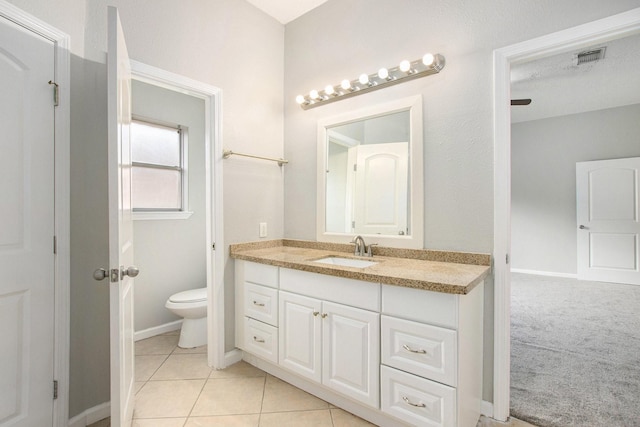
{"x": 543, "y": 186}
{"x": 341, "y": 39}
{"x": 229, "y": 44}
{"x": 171, "y": 254}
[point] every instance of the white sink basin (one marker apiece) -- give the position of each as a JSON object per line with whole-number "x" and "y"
{"x": 346, "y": 262}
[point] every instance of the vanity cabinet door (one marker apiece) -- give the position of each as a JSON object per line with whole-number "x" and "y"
{"x": 351, "y": 351}
{"x": 300, "y": 335}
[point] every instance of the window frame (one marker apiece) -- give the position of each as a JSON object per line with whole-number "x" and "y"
{"x": 167, "y": 214}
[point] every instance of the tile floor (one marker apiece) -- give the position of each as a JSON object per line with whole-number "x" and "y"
{"x": 176, "y": 388}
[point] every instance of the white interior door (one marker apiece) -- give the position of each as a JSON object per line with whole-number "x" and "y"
{"x": 120, "y": 224}
{"x": 381, "y": 189}
{"x": 27, "y": 227}
{"x": 608, "y": 206}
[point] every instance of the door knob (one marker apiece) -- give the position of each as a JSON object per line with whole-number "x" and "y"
{"x": 131, "y": 272}
{"x": 100, "y": 274}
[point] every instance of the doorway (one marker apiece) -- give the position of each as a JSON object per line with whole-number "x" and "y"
{"x": 211, "y": 186}
{"x": 617, "y": 26}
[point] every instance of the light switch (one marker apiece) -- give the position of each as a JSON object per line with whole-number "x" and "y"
{"x": 263, "y": 229}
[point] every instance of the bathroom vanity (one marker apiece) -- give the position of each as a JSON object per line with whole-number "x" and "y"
{"x": 398, "y": 341}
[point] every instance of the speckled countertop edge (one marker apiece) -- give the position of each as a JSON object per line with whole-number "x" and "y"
{"x": 438, "y": 271}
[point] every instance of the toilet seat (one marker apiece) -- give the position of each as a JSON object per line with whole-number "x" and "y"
{"x": 192, "y": 295}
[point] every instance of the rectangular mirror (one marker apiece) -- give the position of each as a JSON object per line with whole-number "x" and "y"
{"x": 370, "y": 170}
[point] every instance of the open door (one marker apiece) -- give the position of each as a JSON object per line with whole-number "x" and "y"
{"x": 608, "y": 209}
{"x": 121, "y": 269}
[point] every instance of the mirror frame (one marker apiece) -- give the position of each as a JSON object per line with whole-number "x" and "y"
{"x": 416, "y": 172}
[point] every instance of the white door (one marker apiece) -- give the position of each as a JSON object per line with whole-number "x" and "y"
{"x": 608, "y": 208}
{"x": 300, "y": 335}
{"x": 381, "y": 189}
{"x": 120, "y": 224}
{"x": 351, "y": 352}
{"x": 26, "y": 227}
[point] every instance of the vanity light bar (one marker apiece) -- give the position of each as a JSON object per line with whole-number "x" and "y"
{"x": 427, "y": 65}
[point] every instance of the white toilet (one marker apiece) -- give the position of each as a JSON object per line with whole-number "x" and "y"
{"x": 192, "y": 306}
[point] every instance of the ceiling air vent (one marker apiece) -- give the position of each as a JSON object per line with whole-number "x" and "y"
{"x": 591, "y": 55}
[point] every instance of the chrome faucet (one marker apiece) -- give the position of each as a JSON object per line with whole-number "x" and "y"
{"x": 360, "y": 247}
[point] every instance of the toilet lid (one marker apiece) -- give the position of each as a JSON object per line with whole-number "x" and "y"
{"x": 193, "y": 295}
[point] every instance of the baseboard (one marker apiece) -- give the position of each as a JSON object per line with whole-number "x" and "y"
{"x": 233, "y": 356}
{"x": 545, "y": 273}
{"x": 91, "y": 415}
{"x": 486, "y": 409}
{"x": 157, "y": 330}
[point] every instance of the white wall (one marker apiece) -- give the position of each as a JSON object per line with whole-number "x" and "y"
{"x": 229, "y": 44}
{"x": 341, "y": 40}
{"x": 543, "y": 186}
{"x": 171, "y": 254}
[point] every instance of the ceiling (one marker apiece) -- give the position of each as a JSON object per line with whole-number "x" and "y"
{"x": 286, "y": 10}
{"x": 557, "y": 86}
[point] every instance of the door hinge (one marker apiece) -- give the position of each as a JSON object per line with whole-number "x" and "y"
{"x": 353, "y": 224}
{"x": 56, "y": 95}
{"x": 213, "y": 246}
{"x": 506, "y": 258}
{"x": 55, "y": 245}
{"x": 55, "y": 389}
{"x": 355, "y": 167}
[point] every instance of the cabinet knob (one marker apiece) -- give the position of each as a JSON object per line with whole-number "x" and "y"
{"x": 324, "y": 315}
{"x": 315, "y": 313}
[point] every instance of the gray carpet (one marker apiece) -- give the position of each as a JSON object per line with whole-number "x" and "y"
{"x": 575, "y": 352}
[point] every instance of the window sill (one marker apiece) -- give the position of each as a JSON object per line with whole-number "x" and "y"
{"x": 161, "y": 215}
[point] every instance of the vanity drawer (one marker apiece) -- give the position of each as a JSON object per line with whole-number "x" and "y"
{"x": 261, "y": 303}
{"x": 261, "y": 339}
{"x": 417, "y": 401}
{"x": 425, "y": 350}
{"x": 436, "y": 308}
{"x": 261, "y": 274}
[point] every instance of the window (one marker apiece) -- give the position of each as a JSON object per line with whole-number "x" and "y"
{"x": 159, "y": 179}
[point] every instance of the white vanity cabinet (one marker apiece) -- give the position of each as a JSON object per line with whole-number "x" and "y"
{"x": 431, "y": 373}
{"x": 331, "y": 343}
{"x": 393, "y": 355}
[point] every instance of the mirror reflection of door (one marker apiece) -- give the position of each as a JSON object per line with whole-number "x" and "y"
{"x": 367, "y": 176}
{"x": 381, "y": 189}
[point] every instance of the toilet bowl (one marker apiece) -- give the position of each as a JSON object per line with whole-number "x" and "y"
{"x": 192, "y": 307}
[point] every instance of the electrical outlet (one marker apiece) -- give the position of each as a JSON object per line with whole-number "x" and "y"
{"x": 263, "y": 229}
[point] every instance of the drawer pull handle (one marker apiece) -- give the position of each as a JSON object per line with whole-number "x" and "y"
{"x": 256, "y": 339}
{"x": 259, "y": 304}
{"x": 409, "y": 349}
{"x": 417, "y": 405}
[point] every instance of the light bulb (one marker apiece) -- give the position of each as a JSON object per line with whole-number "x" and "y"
{"x": 346, "y": 84}
{"x": 329, "y": 90}
{"x": 314, "y": 94}
{"x": 300, "y": 99}
{"x": 383, "y": 73}
{"x": 428, "y": 59}
{"x": 364, "y": 79}
{"x": 405, "y": 66}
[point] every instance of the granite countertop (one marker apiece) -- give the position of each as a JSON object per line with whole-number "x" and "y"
{"x": 440, "y": 271}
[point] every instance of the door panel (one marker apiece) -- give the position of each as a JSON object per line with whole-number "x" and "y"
{"x": 608, "y": 194}
{"x": 120, "y": 223}
{"x": 300, "y": 335}
{"x": 27, "y": 227}
{"x": 350, "y": 352}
